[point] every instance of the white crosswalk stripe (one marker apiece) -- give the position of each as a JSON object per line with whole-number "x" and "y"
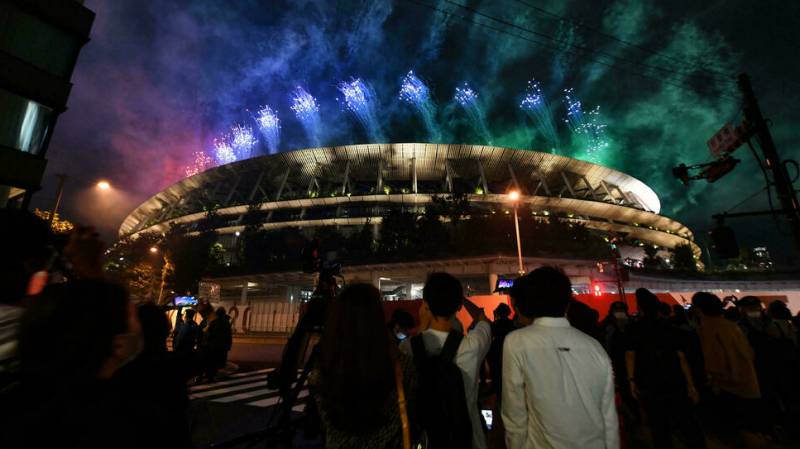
{"x": 240, "y": 380}
{"x": 248, "y": 388}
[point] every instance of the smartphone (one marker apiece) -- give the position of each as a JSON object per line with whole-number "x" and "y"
{"x": 185, "y": 301}
{"x": 487, "y": 418}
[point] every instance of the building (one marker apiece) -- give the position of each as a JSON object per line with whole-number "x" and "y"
{"x": 351, "y": 185}
{"x": 39, "y": 44}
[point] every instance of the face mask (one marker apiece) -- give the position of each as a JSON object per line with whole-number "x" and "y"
{"x": 401, "y": 336}
{"x": 754, "y": 314}
{"x": 621, "y": 315}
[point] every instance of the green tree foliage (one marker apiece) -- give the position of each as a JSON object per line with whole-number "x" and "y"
{"x": 191, "y": 257}
{"x": 683, "y": 258}
{"x": 651, "y": 258}
{"x": 273, "y": 250}
{"x": 397, "y": 235}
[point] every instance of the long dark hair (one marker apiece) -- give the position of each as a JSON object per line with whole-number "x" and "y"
{"x": 356, "y": 363}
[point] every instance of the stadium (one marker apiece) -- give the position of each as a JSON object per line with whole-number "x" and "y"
{"x": 353, "y": 184}
{"x": 348, "y": 186}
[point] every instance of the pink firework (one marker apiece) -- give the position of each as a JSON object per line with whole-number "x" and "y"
{"x": 202, "y": 162}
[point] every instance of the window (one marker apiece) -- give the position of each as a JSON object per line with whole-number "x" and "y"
{"x": 37, "y": 42}
{"x": 24, "y": 124}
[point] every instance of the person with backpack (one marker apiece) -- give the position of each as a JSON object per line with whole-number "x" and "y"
{"x": 448, "y": 365}
{"x": 558, "y": 386}
{"x": 659, "y": 376}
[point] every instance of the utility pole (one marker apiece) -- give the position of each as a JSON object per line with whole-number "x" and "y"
{"x": 781, "y": 180}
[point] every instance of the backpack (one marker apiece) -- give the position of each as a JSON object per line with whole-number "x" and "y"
{"x": 442, "y": 409}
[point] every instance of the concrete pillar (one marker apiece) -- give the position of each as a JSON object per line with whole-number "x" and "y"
{"x": 492, "y": 282}
{"x": 243, "y": 298}
{"x": 375, "y": 279}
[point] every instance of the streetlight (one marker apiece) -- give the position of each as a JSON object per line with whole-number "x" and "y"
{"x": 153, "y": 249}
{"x": 514, "y": 196}
{"x": 103, "y": 185}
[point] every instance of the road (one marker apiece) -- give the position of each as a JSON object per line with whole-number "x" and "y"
{"x": 236, "y": 405}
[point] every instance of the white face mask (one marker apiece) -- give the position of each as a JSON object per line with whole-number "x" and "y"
{"x": 401, "y": 336}
{"x": 621, "y": 315}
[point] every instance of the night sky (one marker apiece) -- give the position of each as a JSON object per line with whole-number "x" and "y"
{"x": 161, "y": 79}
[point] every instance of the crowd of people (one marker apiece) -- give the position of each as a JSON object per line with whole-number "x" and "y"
{"x": 555, "y": 375}
{"x": 80, "y": 362}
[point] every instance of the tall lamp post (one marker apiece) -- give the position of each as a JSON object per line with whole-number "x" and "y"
{"x": 514, "y": 196}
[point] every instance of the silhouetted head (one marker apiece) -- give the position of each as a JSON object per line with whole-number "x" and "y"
{"x": 778, "y": 310}
{"x": 647, "y": 302}
{"x": 544, "y": 292}
{"x": 443, "y": 294}
{"x": 502, "y": 311}
{"x": 401, "y": 322}
{"x": 707, "y": 304}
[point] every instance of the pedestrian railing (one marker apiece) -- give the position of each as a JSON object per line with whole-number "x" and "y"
{"x": 269, "y": 317}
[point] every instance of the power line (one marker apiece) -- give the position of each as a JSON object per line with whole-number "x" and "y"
{"x": 556, "y": 50}
{"x": 745, "y": 200}
{"x": 576, "y": 46}
{"x": 725, "y": 77}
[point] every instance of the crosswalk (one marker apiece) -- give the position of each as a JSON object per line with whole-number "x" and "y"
{"x": 247, "y": 388}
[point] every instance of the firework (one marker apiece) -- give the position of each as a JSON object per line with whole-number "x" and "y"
{"x": 359, "y": 100}
{"x": 535, "y": 105}
{"x": 201, "y": 163}
{"x": 223, "y": 152}
{"x": 270, "y": 126}
{"x": 306, "y": 110}
{"x": 242, "y": 141}
{"x": 416, "y": 93}
{"x": 468, "y": 100}
{"x": 585, "y": 126}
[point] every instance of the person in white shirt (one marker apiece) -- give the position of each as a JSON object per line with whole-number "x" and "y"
{"x": 442, "y": 298}
{"x": 558, "y": 386}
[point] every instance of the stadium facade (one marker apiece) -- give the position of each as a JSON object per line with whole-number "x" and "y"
{"x": 350, "y": 185}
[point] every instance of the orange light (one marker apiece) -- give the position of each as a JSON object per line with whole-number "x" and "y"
{"x": 103, "y": 185}
{"x": 153, "y": 249}
{"x": 513, "y": 195}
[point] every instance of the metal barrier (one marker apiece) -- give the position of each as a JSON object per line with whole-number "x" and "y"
{"x": 270, "y": 317}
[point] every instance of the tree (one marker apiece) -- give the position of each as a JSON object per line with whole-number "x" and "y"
{"x": 361, "y": 246}
{"x": 683, "y": 258}
{"x": 651, "y": 259}
{"x": 191, "y": 257}
{"x": 398, "y": 229}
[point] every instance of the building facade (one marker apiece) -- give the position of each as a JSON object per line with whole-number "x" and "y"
{"x": 39, "y": 44}
{"x": 356, "y": 184}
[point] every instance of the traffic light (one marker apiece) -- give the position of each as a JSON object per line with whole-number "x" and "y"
{"x": 719, "y": 169}
{"x": 310, "y": 257}
{"x": 723, "y": 242}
